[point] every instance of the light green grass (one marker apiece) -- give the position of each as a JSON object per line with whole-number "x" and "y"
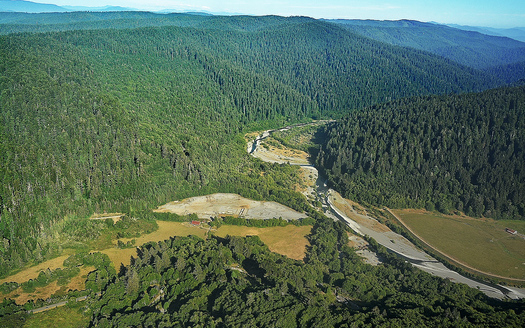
{"x": 62, "y": 317}
{"x": 480, "y": 243}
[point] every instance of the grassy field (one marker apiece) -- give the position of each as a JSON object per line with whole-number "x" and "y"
{"x": 62, "y": 317}
{"x": 480, "y": 243}
{"x": 76, "y": 283}
{"x": 289, "y": 240}
{"x": 117, "y": 256}
{"x": 32, "y": 272}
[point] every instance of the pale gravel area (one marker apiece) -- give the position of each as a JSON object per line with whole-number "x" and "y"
{"x": 221, "y": 204}
{"x": 273, "y": 156}
{"x": 361, "y": 248}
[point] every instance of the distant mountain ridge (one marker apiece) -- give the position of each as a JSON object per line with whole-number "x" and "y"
{"x": 29, "y": 7}
{"x": 104, "y": 8}
{"x": 516, "y": 33}
{"x": 468, "y": 48}
{"x": 24, "y": 6}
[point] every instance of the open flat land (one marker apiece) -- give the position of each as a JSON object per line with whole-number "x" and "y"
{"x": 76, "y": 283}
{"x": 480, "y": 243}
{"x": 215, "y": 205}
{"x": 289, "y": 240}
{"x": 62, "y": 317}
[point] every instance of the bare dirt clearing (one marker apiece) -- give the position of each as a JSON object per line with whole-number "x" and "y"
{"x": 215, "y": 205}
{"x": 361, "y": 247}
{"x": 114, "y": 216}
{"x": 355, "y": 212}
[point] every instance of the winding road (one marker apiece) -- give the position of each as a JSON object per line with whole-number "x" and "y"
{"x": 371, "y": 227}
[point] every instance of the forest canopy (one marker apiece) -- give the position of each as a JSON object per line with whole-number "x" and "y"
{"x": 120, "y": 119}
{"x": 447, "y": 153}
{"x": 122, "y": 112}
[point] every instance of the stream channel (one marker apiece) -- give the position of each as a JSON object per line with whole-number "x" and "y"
{"x": 373, "y": 228}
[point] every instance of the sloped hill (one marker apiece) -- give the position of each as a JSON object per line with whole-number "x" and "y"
{"x": 14, "y": 22}
{"x": 468, "y": 48}
{"x": 516, "y": 33}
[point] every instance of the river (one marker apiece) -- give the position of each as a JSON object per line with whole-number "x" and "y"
{"x": 371, "y": 227}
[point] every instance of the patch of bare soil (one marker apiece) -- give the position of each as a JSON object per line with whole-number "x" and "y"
{"x": 251, "y": 136}
{"x": 361, "y": 248}
{"x": 356, "y": 242}
{"x": 215, "y": 205}
{"x": 309, "y": 177}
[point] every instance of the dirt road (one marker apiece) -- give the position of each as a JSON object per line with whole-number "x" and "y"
{"x": 53, "y": 306}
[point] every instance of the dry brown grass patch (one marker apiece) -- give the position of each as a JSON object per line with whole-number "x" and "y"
{"x": 479, "y": 244}
{"x": 289, "y": 241}
{"x": 32, "y": 272}
{"x": 251, "y": 136}
{"x": 79, "y": 282}
{"x": 114, "y": 216}
{"x": 285, "y": 151}
{"x": 357, "y": 213}
{"x": 166, "y": 231}
{"x": 39, "y": 293}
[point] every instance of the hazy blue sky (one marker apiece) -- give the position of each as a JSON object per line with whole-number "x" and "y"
{"x": 495, "y": 13}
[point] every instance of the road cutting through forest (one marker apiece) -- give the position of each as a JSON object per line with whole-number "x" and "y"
{"x": 336, "y": 207}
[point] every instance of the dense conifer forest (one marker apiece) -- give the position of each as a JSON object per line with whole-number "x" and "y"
{"x": 123, "y": 112}
{"x": 237, "y": 282}
{"x": 447, "y": 153}
{"x": 115, "y": 119}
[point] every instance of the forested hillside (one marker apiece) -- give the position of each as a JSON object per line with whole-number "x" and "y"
{"x": 468, "y": 48}
{"x": 122, "y": 112}
{"x": 238, "y": 282}
{"x": 510, "y": 73}
{"x": 461, "y": 152}
{"x": 125, "y": 119}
